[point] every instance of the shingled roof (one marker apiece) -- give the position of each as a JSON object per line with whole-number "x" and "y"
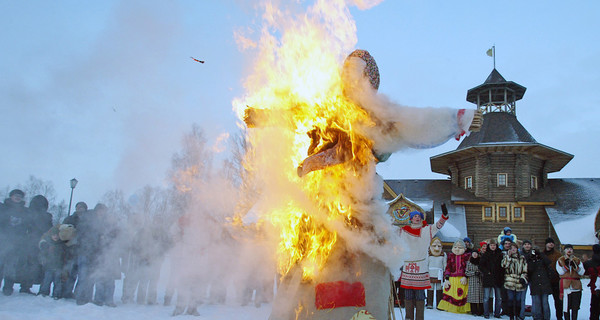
{"x": 501, "y": 132}
{"x": 495, "y": 86}
{"x": 498, "y": 127}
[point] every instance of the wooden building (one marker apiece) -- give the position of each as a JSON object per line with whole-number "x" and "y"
{"x": 498, "y": 177}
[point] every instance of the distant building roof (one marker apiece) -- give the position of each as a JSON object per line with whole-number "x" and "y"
{"x": 500, "y": 132}
{"x": 576, "y": 209}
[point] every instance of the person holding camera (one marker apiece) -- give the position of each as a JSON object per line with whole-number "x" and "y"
{"x": 570, "y": 269}
{"x": 538, "y": 270}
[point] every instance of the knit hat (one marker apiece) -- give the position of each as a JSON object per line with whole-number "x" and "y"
{"x": 526, "y": 241}
{"x": 568, "y": 246}
{"x": 493, "y": 241}
{"x": 596, "y": 248}
{"x": 549, "y": 240}
{"x": 506, "y": 229}
{"x": 482, "y": 243}
{"x": 467, "y": 239}
{"x": 414, "y": 213}
{"x": 17, "y": 192}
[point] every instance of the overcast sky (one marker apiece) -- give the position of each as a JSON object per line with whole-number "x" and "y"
{"x": 104, "y": 90}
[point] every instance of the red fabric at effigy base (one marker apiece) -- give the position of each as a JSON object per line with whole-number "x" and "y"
{"x": 338, "y": 294}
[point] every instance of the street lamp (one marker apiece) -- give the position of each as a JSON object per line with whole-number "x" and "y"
{"x": 73, "y": 184}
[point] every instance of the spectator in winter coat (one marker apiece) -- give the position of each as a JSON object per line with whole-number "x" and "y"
{"x": 492, "y": 278}
{"x": 538, "y": 272}
{"x": 592, "y": 269}
{"x": 88, "y": 240}
{"x": 570, "y": 269}
{"x": 106, "y": 267}
{"x": 53, "y": 250}
{"x": 71, "y": 259}
{"x": 525, "y": 251}
{"x": 15, "y": 224}
{"x": 456, "y": 286}
{"x": 515, "y": 279}
{"x": 41, "y": 222}
{"x": 507, "y": 232}
{"x": 475, "y": 296}
{"x": 553, "y": 255}
{"x": 468, "y": 244}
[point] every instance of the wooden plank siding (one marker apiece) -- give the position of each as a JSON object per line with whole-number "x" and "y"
{"x": 536, "y": 227}
{"x": 485, "y": 169}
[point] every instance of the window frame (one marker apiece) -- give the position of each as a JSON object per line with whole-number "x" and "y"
{"x": 514, "y": 217}
{"x": 484, "y": 217}
{"x": 469, "y": 182}
{"x": 533, "y": 182}
{"x": 506, "y": 218}
{"x": 505, "y": 180}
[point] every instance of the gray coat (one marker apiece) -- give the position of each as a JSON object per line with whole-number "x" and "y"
{"x": 474, "y": 276}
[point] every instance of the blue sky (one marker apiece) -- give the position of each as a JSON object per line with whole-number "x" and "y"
{"x": 104, "y": 90}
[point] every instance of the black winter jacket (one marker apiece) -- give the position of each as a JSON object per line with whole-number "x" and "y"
{"x": 538, "y": 271}
{"x": 491, "y": 269}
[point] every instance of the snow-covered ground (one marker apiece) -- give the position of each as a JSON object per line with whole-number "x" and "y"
{"x": 21, "y": 306}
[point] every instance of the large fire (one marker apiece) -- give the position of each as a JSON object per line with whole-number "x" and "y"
{"x": 307, "y": 148}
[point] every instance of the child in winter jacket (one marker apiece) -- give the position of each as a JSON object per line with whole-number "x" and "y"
{"x": 52, "y": 257}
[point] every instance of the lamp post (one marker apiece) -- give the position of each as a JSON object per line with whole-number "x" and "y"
{"x": 73, "y": 184}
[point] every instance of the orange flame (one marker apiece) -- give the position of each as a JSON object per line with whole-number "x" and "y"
{"x": 296, "y": 99}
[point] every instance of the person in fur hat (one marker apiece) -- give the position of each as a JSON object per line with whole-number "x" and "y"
{"x": 592, "y": 269}
{"x": 515, "y": 279}
{"x": 415, "y": 273}
{"x": 570, "y": 269}
{"x": 456, "y": 287}
{"x": 436, "y": 262}
{"x": 475, "y": 296}
{"x": 53, "y": 250}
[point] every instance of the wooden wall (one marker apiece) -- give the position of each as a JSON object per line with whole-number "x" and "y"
{"x": 536, "y": 226}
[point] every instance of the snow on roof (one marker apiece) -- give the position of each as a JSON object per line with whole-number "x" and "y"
{"x": 574, "y": 213}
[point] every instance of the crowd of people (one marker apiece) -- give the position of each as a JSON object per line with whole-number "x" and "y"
{"x": 493, "y": 279}
{"x": 82, "y": 257}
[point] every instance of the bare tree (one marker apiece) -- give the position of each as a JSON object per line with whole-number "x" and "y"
{"x": 116, "y": 203}
{"x": 192, "y": 163}
{"x": 59, "y": 211}
{"x": 35, "y": 186}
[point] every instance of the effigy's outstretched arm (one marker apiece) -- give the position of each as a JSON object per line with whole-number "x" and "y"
{"x": 397, "y": 127}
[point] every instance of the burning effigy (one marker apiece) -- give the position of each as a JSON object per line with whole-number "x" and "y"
{"x": 317, "y": 128}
